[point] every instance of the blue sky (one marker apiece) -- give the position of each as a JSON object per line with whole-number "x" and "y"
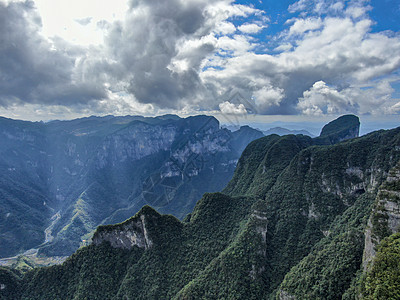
{"x": 294, "y": 60}
{"x": 384, "y": 13}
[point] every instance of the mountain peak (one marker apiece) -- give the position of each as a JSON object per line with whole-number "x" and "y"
{"x": 341, "y": 129}
{"x": 130, "y": 233}
{"x": 141, "y": 231}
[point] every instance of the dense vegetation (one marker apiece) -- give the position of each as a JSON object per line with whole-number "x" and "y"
{"x": 10, "y": 284}
{"x": 290, "y": 225}
{"x": 383, "y": 280}
{"x": 71, "y": 176}
{"x": 338, "y": 130}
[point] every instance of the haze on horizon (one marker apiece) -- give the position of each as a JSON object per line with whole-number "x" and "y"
{"x": 262, "y": 61}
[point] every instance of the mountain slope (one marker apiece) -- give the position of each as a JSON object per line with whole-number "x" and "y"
{"x": 299, "y": 236}
{"x": 319, "y": 191}
{"x": 343, "y": 128}
{"x": 283, "y": 131}
{"x": 60, "y": 180}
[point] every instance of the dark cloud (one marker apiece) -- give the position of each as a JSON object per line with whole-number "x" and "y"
{"x": 182, "y": 54}
{"x": 143, "y": 47}
{"x": 32, "y": 70}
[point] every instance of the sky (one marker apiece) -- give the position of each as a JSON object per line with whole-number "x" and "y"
{"x": 306, "y": 60}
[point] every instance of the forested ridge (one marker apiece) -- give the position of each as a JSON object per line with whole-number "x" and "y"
{"x": 294, "y": 223}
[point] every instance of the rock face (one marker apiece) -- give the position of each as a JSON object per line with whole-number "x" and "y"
{"x": 285, "y": 296}
{"x": 343, "y": 128}
{"x": 290, "y": 225}
{"x": 385, "y": 217}
{"x": 73, "y": 169}
{"x": 132, "y": 232}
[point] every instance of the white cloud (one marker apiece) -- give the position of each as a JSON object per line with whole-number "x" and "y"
{"x": 238, "y": 44}
{"x": 394, "y": 109}
{"x": 188, "y": 55}
{"x": 322, "y": 99}
{"x": 337, "y": 6}
{"x": 225, "y": 28}
{"x": 372, "y": 99}
{"x": 266, "y": 97}
{"x": 192, "y": 52}
{"x": 284, "y": 47}
{"x": 230, "y": 108}
{"x": 301, "y": 26}
{"x": 339, "y": 51}
{"x": 250, "y": 28}
{"x": 60, "y": 17}
{"x": 357, "y": 10}
{"x": 298, "y": 6}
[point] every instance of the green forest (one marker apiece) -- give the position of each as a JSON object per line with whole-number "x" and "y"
{"x": 293, "y": 223}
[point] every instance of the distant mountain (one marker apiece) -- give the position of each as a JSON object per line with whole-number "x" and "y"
{"x": 274, "y": 130}
{"x": 283, "y": 131}
{"x": 343, "y": 128}
{"x": 297, "y": 221}
{"x": 60, "y": 180}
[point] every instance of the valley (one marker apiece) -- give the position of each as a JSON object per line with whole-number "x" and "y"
{"x": 62, "y": 179}
{"x": 294, "y": 222}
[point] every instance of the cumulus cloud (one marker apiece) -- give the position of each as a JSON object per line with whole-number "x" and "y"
{"x": 267, "y": 97}
{"x": 301, "y": 26}
{"x": 298, "y": 6}
{"x": 373, "y": 99}
{"x": 158, "y": 51}
{"x": 154, "y": 54}
{"x": 284, "y": 47}
{"x": 230, "y": 108}
{"x": 34, "y": 70}
{"x": 322, "y": 99}
{"x": 250, "y": 28}
{"x": 338, "y": 50}
{"x": 394, "y": 109}
{"x": 196, "y": 54}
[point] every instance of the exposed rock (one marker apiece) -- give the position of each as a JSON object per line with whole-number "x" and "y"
{"x": 262, "y": 224}
{"x": 128, "y": 234}
{"x": 312, "y": 213}
{"x": 369, "y": 246}
{"x": 283, "y": 295}
{"x": 167, "y": 162}
{"x": 134, "y": 143}
{"x": 385, "y": 217}
{"x": 254, "y": 271}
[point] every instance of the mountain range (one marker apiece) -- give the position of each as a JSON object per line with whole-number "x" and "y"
{"x": 273, "y": 130}
{"x": 60, "y": 180}
{"x": 301, "y": 218}
{"x": 283, "y": 131}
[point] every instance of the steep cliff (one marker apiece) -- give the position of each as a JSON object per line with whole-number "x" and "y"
{"x": 60, "y": 180}
{"x": 385, "y": 216}
{"x": 298, "y": 234}
{"x": 323, "y": 273}
{"x": 381, "y": 255}
{"x": 134, "y": 232}
{"x": 341, "y": 129}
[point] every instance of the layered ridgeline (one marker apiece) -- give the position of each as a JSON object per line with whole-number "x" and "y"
{"x": 297, "y": 221}
{"x": 60, "y": 180}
